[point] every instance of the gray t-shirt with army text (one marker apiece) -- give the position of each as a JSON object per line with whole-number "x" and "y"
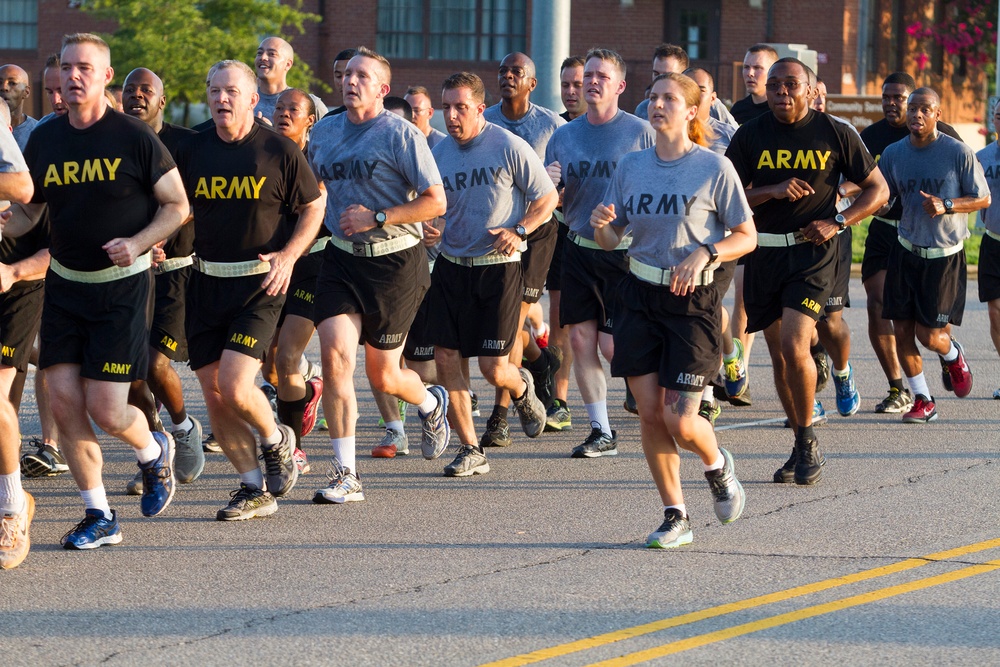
{"x": 989, "y": 158}
{"x": 674, "y": 207}
{"x": 588, "y": 155}
{"x": 378, "y": 164}
{"x": 535, "y": 127}
{"x": 489, "y": 183}
{"x": 947, "y": 169}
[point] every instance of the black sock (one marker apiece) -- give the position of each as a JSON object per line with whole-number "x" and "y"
{"x": 290, "y": 414}
{"x": 817, "y": 349}
{"x": 499, "y": 412}
{"x": 898, "y": 384}
{"x": 538, "y": 365}
{"x": 805, "y": 434}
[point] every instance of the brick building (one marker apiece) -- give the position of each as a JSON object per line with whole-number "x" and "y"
{"x": 858, "y": 41}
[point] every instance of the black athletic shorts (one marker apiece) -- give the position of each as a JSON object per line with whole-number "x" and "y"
{"x": 475, "y": 308}
{"x": 930, "y": 292}
{"x": 229, "y": 314}
{"x": 677, "y": 337}
{"x": 386, "y": 291}
{"x": 724, "y": 277}
{"x": 798, "y": 277}
{"x": 103, "y": 327}
{"x": 840, "y": 297}
{"x": 301, "y": 297}
{"x": 553, "y": 281}
{"x": 166, "y": 333}
{"x": 590, "y": 280}
{"x": 537, "y": 259}
{"x": 20, "y": 318}
{"x": 989, "y": 269}
{"x": 882, "y": 238}
{"x": 419, "y": 346}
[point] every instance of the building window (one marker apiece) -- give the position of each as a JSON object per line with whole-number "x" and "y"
{"x": 475, "y": 30}
{"x": 19, "y": 24}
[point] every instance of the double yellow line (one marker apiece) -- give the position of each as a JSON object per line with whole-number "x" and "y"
{"x": 759, "y": 601}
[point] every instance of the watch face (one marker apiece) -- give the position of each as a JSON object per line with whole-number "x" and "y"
{"x": 948, "y": 204}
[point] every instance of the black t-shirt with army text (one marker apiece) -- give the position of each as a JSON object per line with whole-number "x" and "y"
{"x": 241, "y": 192}
{"x": 98, "y": 183}
{"x": 181, "y": 242}
{"x": 746, "y": 109}
{"x": 815, "y": 149}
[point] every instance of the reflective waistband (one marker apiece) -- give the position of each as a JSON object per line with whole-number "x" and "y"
{"x": 931, "y": 253}
{"x": 252, "y": 267}
{"x": 107, "y": 275}
{"x": 484, "y": 260}
{"x": 780, "y": 240}
{"x": 894, "y": 223}
{"x": 319, "y": 245}
{"x": 174, "y": 263}
{"x": 376, "y": 249}
{"x": 658, "y": 276}
{"x": 993, "y": 235}
{"x": 624, "y": 244}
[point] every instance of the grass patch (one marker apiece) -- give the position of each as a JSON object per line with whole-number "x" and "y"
{"x": 860, "y": 232}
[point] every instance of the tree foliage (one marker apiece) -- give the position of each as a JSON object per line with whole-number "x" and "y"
{"x": 965, "y": 28}
{"x": 181, "y": 39}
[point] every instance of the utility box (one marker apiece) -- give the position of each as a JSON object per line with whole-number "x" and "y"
{"x": 800, "y": 51}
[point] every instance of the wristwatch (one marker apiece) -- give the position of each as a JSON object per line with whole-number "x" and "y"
{"x": 713, "y": 254}
{"x": 949, "y": 206}
{"x": 380, "y": 219}
{"x": 841, "y": 221}
{"x": 521, "y": 231}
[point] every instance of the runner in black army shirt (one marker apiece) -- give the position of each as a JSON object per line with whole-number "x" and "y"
{"x": 242, "y": 179}
{"x": 790, "y": 162}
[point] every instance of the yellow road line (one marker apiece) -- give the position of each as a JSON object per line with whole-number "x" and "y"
{"x": 730, "y": 607}
{"x": 798, "y": 615}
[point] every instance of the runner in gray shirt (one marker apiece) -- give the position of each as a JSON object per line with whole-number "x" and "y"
{"x": 274, "y": 59}
{"x": 498, "y": 192}
{"x": 989, "y": 249}
{"x": 15, "y": 88}
{"x": 374, "y": 273}
{"x": 939, "y": 182}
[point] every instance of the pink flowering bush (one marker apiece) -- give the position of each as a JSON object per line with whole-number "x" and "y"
{"x": 966, "y": 29}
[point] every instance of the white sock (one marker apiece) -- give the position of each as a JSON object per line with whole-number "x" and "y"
{"x": 426, "y": 406}
{"x": 719, "y": 464}
{"x": 272, "y": 439}
{"x": 732, "y": 355}
{"x": 303, "y": 365}
{"x": 918, "y": 385}
{"x": 97, "y": 499}
{"x": 150, "y": 452}
{"x": 185, "y": 425}
{"x": 952, "y": 353}
{"x": 343, "y": 449}
{"x": 394, "y": 426}
{"x": 708, "y": 394}
{"x": 11, "y": 494}
{"x": 682, "y": 508}
{"x": 842, "y": 373}
{"x": 598, "y": 412}
{"x": 253, "y": 478}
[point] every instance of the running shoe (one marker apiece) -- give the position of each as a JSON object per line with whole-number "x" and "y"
{"x": 743, "y": 400}
{"x": 529, "y": 409}
{"x": 321, "y": 425}
{"x": 158, "y": 477}
{"x": 436, "y": 431}
{"x": 809, "y": 462}
{"x": 735, "y": 372}
{"x": 541, "y": 336}
{"x": 279, "y": 464}
{"x": 312, "y": 370}
{"x": 272, "y": 397}
{"x": 960, "y": 373}
{"x": 15, "y": 534}
{"x": 675, "y": 531}
{"x": 598, "y": 443}
{"x": 710, "y": 410}
{"x": 497, "y": 433}
{"x": 94, "y": 531}
{"x": 545, "y": 379}
{"x": 475, "y": 404}
{"x": 45, "y": 461}
{"x": 312, "y": 407}
{"x": 923, "y": 410}
{"x": 210, "y": 445}
{"x": 134, "y": 485}
{"x": 727, "y": 492}
{"x": 818, "y": 417}
{"x": 189, "y": 461}
{"x": 301, "y": 461}
{"x": 470, "y": 461}
{"x": 247, "y": 502}
{"x": 996, "y": 394}
{"x": 895, "y": 402}
{"x": 393, "y": 442}
{"x": 630, "y": 405}
{"x": 786, "y": 473}
{"x": 344, "y": 487}
{"x": 848, "y": 398}
{"x": 558, "y": 417}
{"x": 945, "y": 374}
{"x": 822, "y": 369}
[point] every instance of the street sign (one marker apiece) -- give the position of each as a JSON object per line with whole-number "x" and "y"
{"x": 859, "y": 110}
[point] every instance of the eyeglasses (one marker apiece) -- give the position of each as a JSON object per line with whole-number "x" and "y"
{"x": 790, "y": 86}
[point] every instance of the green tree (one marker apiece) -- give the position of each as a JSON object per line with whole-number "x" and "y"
{"x": 181, "y": 39}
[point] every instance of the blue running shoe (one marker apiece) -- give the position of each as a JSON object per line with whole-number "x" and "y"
{"x": 848, "y": 398}
{"x": 158, "y": 477}
{"x": 94, "y": 531}
{"x": 819, "y": 414}
{"x": 735, "y": 372}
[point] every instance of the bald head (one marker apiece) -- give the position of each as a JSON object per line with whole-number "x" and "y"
{"x": 520, "y": 60}
{"x": 929, "y": 93}
{"x": 516, "y": 78}
{"x": 273, "y": 60}
{"x": 14, "y": 89}
{"x": 142, "y": 97}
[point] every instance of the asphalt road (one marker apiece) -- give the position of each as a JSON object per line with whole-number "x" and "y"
{"x": 890, "y": 560}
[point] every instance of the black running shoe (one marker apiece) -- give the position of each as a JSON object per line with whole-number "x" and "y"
{"x": 497, "y": 433}
{"x": 809, "y": 462}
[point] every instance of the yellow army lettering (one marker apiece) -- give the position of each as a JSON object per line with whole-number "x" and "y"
{"x": 93, "y": 170}
{"x": 243, "y": 339}
{"x": 117, "y": 369}
{"x": 8, "y": 351}
{"x": 810, "y": 304}
{"x": 784, "y": 159}
{"x": 169, "y": 343}
{"x": 303, "y": 295}
{"x": 237, "y": 187}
